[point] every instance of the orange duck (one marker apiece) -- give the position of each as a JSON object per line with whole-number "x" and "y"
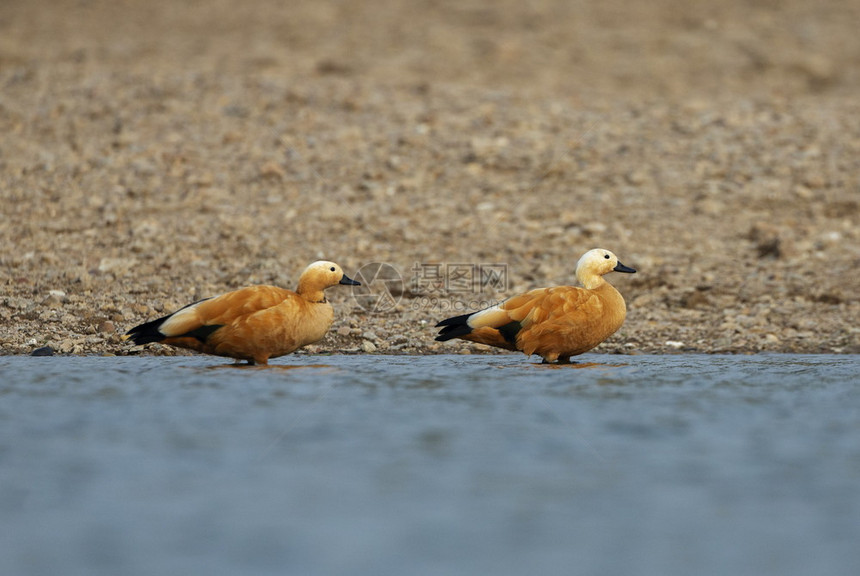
{"x": 554, "y": 323}
{"x": 254, "y": 323}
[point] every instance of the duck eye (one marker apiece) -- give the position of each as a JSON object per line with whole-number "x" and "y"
{"x": 332, "y": 268}
{"x": 606, "y": 256}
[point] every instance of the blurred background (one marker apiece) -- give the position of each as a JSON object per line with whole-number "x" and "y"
{"x": 154, "y": 152}
{"x": 563, "y": 48}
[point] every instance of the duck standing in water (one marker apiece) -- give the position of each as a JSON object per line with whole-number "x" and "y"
{"x": 554, "y": 323}
{"x": 254, "y": 323}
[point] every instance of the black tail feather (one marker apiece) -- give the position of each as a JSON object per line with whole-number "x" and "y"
{"x": 455, "y": 320}
{"x": 147, "y": 332}
{"x": 453, "y": 327}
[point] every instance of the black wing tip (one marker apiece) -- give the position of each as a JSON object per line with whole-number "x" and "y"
{"x": 451, "y": 332}
{"x": 453, "y": 327}
{"x": 455, "y": 320}
{"x": 146, "y": 332}
{"x": 138, "y": 339}
{"x": 141, "y": 335}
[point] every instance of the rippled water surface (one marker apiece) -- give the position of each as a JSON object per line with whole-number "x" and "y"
{"x": 395, "y": 465}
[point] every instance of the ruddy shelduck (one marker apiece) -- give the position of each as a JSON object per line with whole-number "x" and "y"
{"x": 254, "y": 323}
{"x": 554, "y": 323}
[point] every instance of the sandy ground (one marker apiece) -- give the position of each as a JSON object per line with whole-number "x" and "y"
{"x": 154, "y": 152}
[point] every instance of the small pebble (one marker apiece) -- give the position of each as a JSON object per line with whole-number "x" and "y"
{"x": 343, "y": 331}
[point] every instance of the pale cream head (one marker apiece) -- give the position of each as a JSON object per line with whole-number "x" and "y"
{"x": 594, "y": 264}
{"x": 320, "y": 275}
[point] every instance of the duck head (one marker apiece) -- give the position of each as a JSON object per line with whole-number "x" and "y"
{"x": 595, "y": 263}
{"x": 319, "y": 276}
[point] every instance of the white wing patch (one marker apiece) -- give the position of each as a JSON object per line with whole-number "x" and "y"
{"x": 181, "y": 321}
{"x": 482, "y": 317}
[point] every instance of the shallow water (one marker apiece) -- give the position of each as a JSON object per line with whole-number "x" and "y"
{"x": 430, "y": 465}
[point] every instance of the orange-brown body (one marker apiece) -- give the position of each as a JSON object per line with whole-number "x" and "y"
{"x": 257, "y": 323}
{"x": 253, "y": 324}
{"x": 554, "y": 323}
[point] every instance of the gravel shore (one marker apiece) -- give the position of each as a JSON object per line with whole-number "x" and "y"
{"x": 153, "y": 153}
